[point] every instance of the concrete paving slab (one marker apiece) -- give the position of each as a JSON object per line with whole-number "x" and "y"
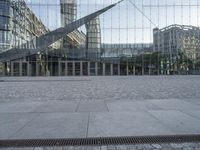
{"x": 57, "y": 106}
{"x": 193, "y": 113}
{"x": 174, "y": 104}
{"x": 131, "y": 106}
{"x": 195, "y": 101}
{"x": 55, "y": 125}
{"x": 125, "y": 124}
{"x": 11, "y": 123}
{"x": 19, "y": 107}
{"x": 177, "y": 121}
{"x": 92, "y": 106}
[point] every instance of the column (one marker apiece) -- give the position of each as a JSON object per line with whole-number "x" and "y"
{"x": 111, "y": 69}
{"x": 12, "y": 68}
{"x": 119, "y": 69}
{"x": 59, "y": 68}
{"x": 104, "y": 69}
{"x": 20, "y": 68}
{"x": 37, "y": 68}
{"x": 88, "y": 68}
{"x": 28, "y": 69}
{"x": 66, "y": 68}
{"x": 73, "y": 68}
{"x": 96, "y": 68}
{"x": 81, "y": 68}
{"x": 133, "y": 70}
{"x": 127, "y": 69}
{"x": 3, "y": 69}
{"x": 142, "y": 70}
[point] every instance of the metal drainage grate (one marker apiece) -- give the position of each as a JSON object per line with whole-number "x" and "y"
{"x": 99, "y": 141}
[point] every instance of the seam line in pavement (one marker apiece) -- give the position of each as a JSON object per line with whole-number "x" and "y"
{"x": 162, "y": 123}
{"x": 77, "y": 107}
{"x": 106, "y": 106}
{"x": 23, "y": 127}
{"x": 186, "y": 113}
{"x": 88, "y": 125}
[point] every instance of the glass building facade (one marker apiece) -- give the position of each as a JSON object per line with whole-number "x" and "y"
{"x": 6, "y": 15}
{"x": 150, "y": 37}
{"x": 18, "y": 25}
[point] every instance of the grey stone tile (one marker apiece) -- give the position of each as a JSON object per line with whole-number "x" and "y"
{"x": 55, "y": 125}
{"x": 131, "y": 106}
{"x": 57, "y": 106}
{"x": 11, "y": 123}
{"x": 174, "y": 104}
{"x": 193, "y": 113}
{"x": 124, "y": 124}
{"x": 94, "y": 106}
{"x": 19, "y": 107}
{"x": 177, "y": 121}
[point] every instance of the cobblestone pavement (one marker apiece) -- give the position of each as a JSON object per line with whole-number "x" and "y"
{"x": 100, "y": 88}
{"x": 171, "y": 146}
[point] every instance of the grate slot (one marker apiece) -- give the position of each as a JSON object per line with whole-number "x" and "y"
{"x": 99, "y": 141}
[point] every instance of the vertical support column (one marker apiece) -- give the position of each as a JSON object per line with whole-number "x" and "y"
{"x": 66, "y": 68}
{"x": 88, "y": 68}
{"x": 73, "y": 68}
{"x": 81, "y": 68}
{"x": 37, "y": 68}
{"x": 12, "y": 68}
{"x": 104, "y": 69}
{"x": 119, "y": 70}
{"x": 59, "y": 68}
{"x": 111, "y": 69}
{"x": 4, "y": 69}
{"x": 127, "y": 69}
{"x": 96, "y": 68}
{"x": 20, "y": 68}
{"x": 133, "y": 70}
{"x": 28, "y": 69}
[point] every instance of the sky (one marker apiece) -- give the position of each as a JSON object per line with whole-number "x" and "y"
{"x": 130, "y": 22}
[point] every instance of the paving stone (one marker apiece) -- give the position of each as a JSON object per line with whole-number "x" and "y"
{"x": 119, "y": 106}
{"x": 124, "y": 124}
{"x": 55, "y": 125}
{"x": 103, "y": 147}
{"x": 92, "y": 107}
{"x": 174, "y": 104}
{"x": 158, "y": 146}
{"x": 177, "y": 121}
{"x": 10, "y": 123}
{"x": 57, "y": 106}
{"x": 177, "y": 146}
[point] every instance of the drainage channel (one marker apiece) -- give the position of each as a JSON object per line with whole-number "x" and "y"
{"x": 100, "y": 141}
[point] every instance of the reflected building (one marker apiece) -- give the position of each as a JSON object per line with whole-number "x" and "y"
{"x": 93, "y": 44}
{"x": 74, "y": 41}
{"x": 176, "y": 39}
{"x": 18, "y": 25}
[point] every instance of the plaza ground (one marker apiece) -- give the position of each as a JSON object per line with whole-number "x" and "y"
{"x": 74, "y": 107}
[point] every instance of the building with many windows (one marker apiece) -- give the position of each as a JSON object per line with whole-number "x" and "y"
{"x": 176, "y": 39}
{"x": 18, "y": 24}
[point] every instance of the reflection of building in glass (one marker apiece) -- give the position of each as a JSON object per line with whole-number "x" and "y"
{"x": 128, "y": 50}
{"x": 76, "y": 39}
{"x": 93, "y": 38}
{"x": 68, "y": 11}
{"x": 176, "y": 39}
{"x": 18, "y": 25}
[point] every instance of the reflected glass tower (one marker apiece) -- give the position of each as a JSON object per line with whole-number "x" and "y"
{"x": 68, "y": 11}
{"x": 93, "y": 44}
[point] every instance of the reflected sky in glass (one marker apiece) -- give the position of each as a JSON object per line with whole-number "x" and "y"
{"x": 129, "y": 22}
